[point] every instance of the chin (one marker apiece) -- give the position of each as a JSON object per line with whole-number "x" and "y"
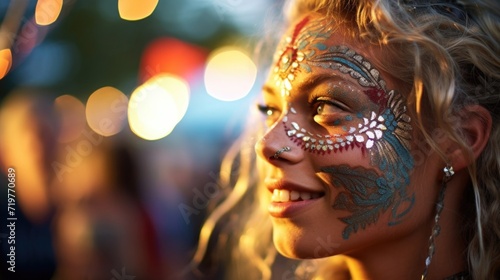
{"x": 300, "y": 244}
{"x": 292, "y": 251}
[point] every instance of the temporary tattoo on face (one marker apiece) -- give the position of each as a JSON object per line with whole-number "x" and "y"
{"x": 385, "y": 132}
{"x": 362, "y": 135}
{"x": 293, "y": 53}
{"x": 367, "y": 195}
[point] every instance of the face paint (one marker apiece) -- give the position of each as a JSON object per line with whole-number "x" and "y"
{"x": 367, "y": 195}
{"x": 292, "y": 56}
{"x": 384, "y": 133}
{"x": 363, "y": 136}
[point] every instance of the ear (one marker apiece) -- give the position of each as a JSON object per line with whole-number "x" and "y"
{"x": 475, "y": 123}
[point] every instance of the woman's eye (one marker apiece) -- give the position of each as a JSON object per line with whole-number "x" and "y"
{"x": 324, "y": 107}
{"x": 266, "y": 110}
{"x": 328, "y": 111}
{"x": 271, "y": 113}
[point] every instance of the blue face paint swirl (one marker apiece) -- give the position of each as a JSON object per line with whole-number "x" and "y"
{"x": 367, "y": 195}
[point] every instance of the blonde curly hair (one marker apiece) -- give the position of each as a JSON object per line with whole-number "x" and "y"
{"x": 448, "y": 53}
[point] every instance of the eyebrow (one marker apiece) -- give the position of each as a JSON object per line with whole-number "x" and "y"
{"x": 315, "y": 81}
{"x": 318, "y": 79}
{"x": 311, "y": 83}
{"x": 268, "y": 89}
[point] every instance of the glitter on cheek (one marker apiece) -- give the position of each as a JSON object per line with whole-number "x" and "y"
{"x": 364, "y": 137}
{"x": 318, "y": 143}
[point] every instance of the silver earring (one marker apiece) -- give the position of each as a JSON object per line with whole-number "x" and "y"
{"x": 280, "y": 151}
{"x": 436, "y": 229}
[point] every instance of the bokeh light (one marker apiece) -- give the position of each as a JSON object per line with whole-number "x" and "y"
{"x": 229, "y": 75}
{"x": 157, "y": 106}
{"x": 173, "y": 56}
{"x": 47, "y": 11}
{"x": 72, "y": 114}
{"x": 136, "y": 9}
{"x": 106, "y": 111}
{"x": 5, "y": 62}
{"x": 176, "y": 87}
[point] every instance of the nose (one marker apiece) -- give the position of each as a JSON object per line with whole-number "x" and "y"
{"x": 276, "y": 147}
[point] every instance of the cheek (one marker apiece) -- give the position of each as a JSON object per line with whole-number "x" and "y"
{"x": 353, "y": 157}
{"x": 424, "y": 183}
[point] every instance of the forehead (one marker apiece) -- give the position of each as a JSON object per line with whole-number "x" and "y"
{"x": 312, "y": 28}
{"x": 316, "y": 45}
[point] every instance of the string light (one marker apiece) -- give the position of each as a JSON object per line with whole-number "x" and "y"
{"x": 229, "y": 75}
{"x": 106, "y": 111}
{"x": 157, "y": 106}
{"x": 5, "y": 62}
{"x": 136, "y": 9}
{"x": 72, "y": 115}
{"x": 47, "y": 11}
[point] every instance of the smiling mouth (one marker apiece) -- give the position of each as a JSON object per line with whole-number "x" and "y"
{"x": 281, "y": 195}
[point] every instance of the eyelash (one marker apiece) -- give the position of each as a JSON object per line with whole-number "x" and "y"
{"x": 266, "y": 109}
{"x": 270, "y": 113}
{"x": 316, "y": 101}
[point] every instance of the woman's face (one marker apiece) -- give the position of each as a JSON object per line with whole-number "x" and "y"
{"x": 347, "y": 182}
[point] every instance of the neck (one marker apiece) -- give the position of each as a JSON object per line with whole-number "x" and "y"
{"x": 405, "y": 258}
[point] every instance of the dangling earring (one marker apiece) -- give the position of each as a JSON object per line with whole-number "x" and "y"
{"x": 448, "y": 173}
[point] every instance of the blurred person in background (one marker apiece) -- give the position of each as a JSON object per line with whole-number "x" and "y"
{"x": 101, "y": 228}
{"x": 28, "y": 133}
{"x": 79, "y": 209}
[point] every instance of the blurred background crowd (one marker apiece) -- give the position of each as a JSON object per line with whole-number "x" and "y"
{"x": 115, "y": 116}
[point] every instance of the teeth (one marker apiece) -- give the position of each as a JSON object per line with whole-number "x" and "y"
{"x": 305, "y": 195}
{"x": 276, "y": 194}
{"x": 286, "y": 195}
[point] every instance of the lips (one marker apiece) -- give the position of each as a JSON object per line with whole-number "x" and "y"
{"x": 289, "y": 199}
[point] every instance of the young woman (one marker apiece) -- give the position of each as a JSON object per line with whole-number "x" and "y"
{"x": 381, "y": 147}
